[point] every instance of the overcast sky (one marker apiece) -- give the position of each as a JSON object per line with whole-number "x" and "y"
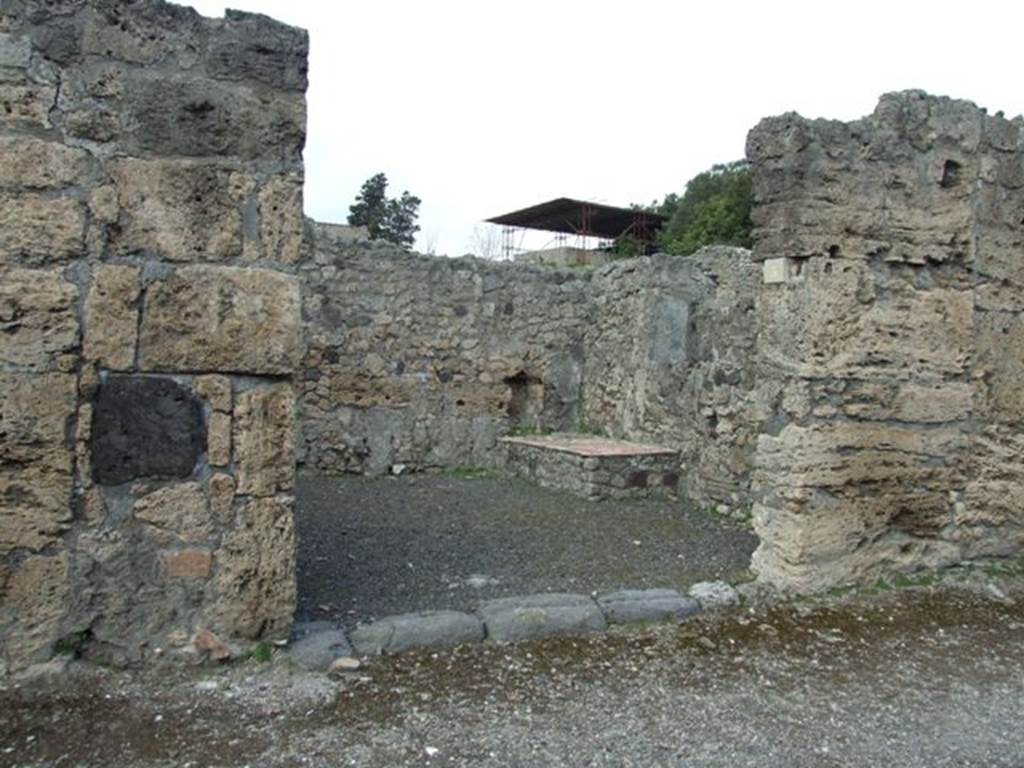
{"x": 480, "y": 108}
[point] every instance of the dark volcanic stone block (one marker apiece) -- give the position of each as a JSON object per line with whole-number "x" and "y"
{"x": 145, "y": 427}
{"x": 248, "y": 46}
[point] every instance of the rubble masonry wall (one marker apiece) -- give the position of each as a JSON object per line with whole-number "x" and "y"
{"x": 424, "y": 362}
{"x": 890, "y": 318}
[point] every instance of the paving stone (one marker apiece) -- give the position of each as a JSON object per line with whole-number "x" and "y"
{"x": 301, "y": 629}
{"x": 319, "y": 649}
{"x": 638, "y": 605}
{"x": 395, "y": 634}
{"x": 526, "y": 617}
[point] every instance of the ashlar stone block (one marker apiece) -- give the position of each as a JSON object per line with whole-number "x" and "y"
{"x": 218, "y": 439}
{"x": 222, "y": 319}
{"x": 35, "y": 598}
{"x": 32, "y": 163}
{"x": 35, "y": 458}
{"x": 255, "y": 580}
{"x": 264, "y": 440}
{"x": 40, "y": 229}
{"x": 111, "y": 316}
{"x": 281, "y": 218}
{"x": 38, "y": 323}
{"x": 179, "y": 210}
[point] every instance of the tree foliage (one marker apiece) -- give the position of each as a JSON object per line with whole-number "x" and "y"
{"x": 391, "y": 219}
{"x": 627, "y": 246}
{"x": 713, "y": 210}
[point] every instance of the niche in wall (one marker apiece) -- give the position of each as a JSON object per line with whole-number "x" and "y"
{"x": 525, "y": 400}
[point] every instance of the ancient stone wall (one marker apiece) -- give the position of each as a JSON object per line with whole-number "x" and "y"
{"x": 669, "y": 360}
{"x": 890, "y": 317}
{"x": 150, "y": 211}
{"x": 424, "y": 362}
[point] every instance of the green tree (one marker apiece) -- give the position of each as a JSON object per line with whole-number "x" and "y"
{"x": 713, "y": 210}
{"x": 391, "y": 219}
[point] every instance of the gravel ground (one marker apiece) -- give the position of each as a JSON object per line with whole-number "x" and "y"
{"x": 927, "y": 677}
{"x": 370, "y": 547}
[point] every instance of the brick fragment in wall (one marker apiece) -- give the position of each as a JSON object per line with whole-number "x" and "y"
{"x": 187, "y": 563}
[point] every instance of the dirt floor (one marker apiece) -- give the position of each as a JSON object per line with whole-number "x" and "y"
{"x": 369, "y": 547}
{"x": 928, "y": 676}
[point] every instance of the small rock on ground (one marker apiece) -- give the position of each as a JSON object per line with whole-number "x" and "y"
{"x": 715, "y": 595}
{"x": 345, "y": 664}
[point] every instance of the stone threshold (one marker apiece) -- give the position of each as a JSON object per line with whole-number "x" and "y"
{"x": 589, "y": 446}
{"x": 319, "y": 645}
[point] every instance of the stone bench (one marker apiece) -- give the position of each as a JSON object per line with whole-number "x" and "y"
{"x": 593, "y": 467}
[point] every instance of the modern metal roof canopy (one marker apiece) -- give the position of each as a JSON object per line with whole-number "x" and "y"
{"x": 579, "y": 217}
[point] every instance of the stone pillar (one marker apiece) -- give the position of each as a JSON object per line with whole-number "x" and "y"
{"x": 889, "y": 315}
{"x": 150, "y": 219}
